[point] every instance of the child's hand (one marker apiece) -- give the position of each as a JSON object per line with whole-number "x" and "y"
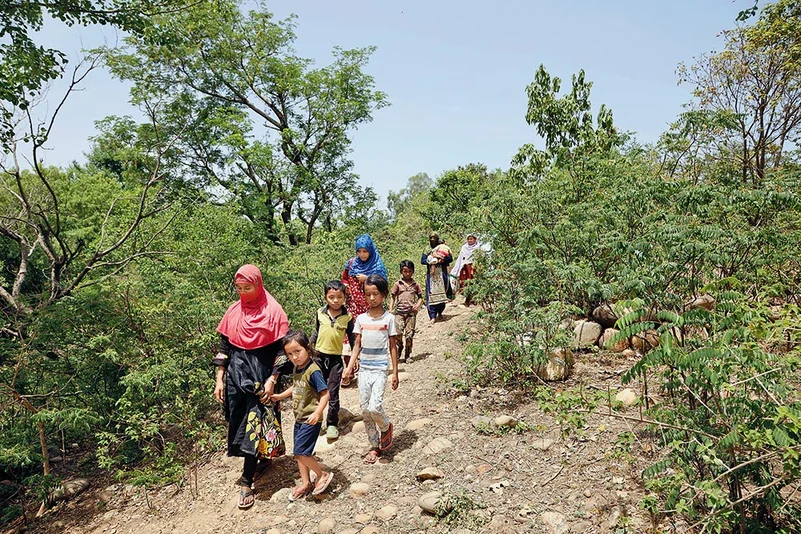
{"x": 313, "y": 419}
{"x": 275, "y": 397}
{"x": 395, "y": 381}
{"x": 347, "y": 375}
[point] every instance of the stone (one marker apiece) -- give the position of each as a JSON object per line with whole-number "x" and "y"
{"x": 363, "y": 518}
{"x": 368, "y": 478}
{"x": 417, "y": 424}
{"x": 370, "y": 529}
{"x": 68, "y": 490}
{"x": 706, "y": 302}
{"x": 555, "y": 522}
{"x": 586, "y": 333}
{"x": 437, "y": 445}
{"x": 358, "y": 426}
{"x": 542, "y": 444}
{"x": 505, "y": 420}
{"x": 559, "y": 365}
{"x": 627, "y": 396}
{"x": 434, "y": 503}
{"x": 348, "y": 531}
{"x": 387, "y": 512}
{"x": 629, "y": 353}
{"x": 430, "y": 473}
{"x": 607, "y": 335}
{"x": 605, "y": 315}
{"x": 359, "y": 489}
{"x": 403, "y": 376}
{"x": 281, "y": 495}
{"x": 481, "y": 422}
{"x": 645, "y": 341}
{"x": 325, "y": 526}
{"x": 323, "y": 445}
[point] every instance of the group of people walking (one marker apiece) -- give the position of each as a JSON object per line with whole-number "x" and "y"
{"x": 257, "y": 348}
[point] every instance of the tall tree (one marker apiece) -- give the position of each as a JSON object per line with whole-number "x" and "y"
{"x": 755, "y": 79}
{"x": 264, "y": 120}
{"x": 25, "y": 65}
{"x": 401, "y": 201}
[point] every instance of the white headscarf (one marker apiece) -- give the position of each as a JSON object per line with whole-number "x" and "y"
{"x": 465, "y": 256}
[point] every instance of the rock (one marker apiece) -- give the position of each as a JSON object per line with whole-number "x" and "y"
{"x": 505, "y": 420}
{"x": 555, "y": 522}
{"x": 281, "y": 495}
{"x": 470, "y": 468}
{"x": 586, "y": 333}
{"x": 349, "y": 531}
{"x": 605, "y": 315}
{"x": 698, "y": 332}
{"x": 430, "y": 473}
{"x": 560, "y": 364}
{"x": 542, "y": 444}
{"x": 437, "y": 445}
{"x": 368, "y": 478}
{"x": 325, "y": 526}
{"x": 434, "y": 503}
{"x": 417, "y": 424}
{"x": 56, "y": 460}
{"x": 370, "y": 529}
{"x": 323, "y": 446}
{"x": 68, "y": 490}
{"x": 358, "y": 426}
{"x": 498, "y": 486}
{"x": 706, "y": 302}
{"x": 484, "y": 468}
{"x": 359, "y": 489}
{"x": 403, "y": 376}
{"x": 345, "y": 416}
{"x": 363, "y": 518}
{"x": 481, "y": 422}
{"x": 627, "y": 396}
{"x": 645, "y": 341}
{"x": 387, "y": 512}
{"x": 629, "y": 353}
{"x": 620, "y": 346}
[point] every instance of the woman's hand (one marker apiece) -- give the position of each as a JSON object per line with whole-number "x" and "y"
{"x": 219, "y": 391}
{"x": 361, "y": 277}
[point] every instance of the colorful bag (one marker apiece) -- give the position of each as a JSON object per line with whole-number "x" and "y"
{"x": 265, "y": 433}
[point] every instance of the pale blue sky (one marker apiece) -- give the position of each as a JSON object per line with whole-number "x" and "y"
{"x": 456, "y": 71}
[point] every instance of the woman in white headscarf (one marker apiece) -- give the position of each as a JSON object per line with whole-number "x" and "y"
{"x": 462, "y": 270}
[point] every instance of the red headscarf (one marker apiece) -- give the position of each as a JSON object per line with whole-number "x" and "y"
{"x": 257, "y": 322}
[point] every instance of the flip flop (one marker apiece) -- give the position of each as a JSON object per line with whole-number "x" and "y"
{"x": 386, "y": 439}
{"x": 322, "y": 485}
{"x": 372, "y": 456}
{"x": 244, "y": 493}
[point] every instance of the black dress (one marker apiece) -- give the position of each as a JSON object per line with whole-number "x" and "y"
{"x": 247, "y": 372}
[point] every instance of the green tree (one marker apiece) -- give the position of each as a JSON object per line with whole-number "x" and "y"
{"x": 249, "y": 114}
{"x": 755, "y": 80}
{"x": 399, "y": 202}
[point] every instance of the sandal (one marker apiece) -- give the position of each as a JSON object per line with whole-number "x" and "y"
{"x": 372, "y": 456}
{"x": 323, "y": 483}
{"x": 300, "y": 491}
{"x": 244, "y": 493}
{"x": 386, "y": 439}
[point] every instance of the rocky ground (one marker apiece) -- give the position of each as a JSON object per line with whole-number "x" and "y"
{"x": 447, "y": 441}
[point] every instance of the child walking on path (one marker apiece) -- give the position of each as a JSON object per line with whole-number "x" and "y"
{"x": 334, "y": 324}
{"x": 408, "y": 297}
{"x": 374, "y": 346}
{"x": 309, "y": 394}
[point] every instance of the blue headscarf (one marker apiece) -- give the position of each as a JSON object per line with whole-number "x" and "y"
{"x": 373, "y": 265}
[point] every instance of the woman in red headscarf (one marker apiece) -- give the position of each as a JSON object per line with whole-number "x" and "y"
{"x": 248, "y": 366}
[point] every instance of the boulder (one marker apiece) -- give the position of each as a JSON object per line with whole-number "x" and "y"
{"x": 505, "y": 420}
{"x": 645, "y": 341}
{"x": 620, "y": 346}
{"x": 605, "y": 315}
{"x": 627, "y": 396}
{"x": 430, "y": 473}
{"x": 586, "y": 333}
{"x": 559, "y": 365}
{"x": 706, "y": 302}
{"x": 433, "y": 502}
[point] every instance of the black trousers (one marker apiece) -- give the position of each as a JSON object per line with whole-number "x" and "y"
{"x": 332, "y": 366}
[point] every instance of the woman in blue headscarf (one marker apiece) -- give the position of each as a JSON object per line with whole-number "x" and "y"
{"x": 366, "y": 262}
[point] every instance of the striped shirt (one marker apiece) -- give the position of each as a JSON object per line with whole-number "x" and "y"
{"x": 375, "y": 340}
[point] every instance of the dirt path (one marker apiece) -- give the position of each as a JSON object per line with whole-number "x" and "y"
{"x": 535, "y": 481}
